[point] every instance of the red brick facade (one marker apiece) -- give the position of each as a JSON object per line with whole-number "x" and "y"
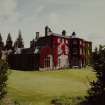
{"x": 53, "y": 51}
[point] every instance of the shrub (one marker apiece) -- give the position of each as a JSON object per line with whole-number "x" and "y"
{"x": 3, "y": 78}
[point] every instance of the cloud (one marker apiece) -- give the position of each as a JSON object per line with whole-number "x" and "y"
{"x": 86, "y": 17}
{"x": 7, "y": 9}
{"x": 8, "y": 17}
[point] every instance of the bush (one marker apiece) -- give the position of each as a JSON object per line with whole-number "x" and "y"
{"x": 3, "y": 78}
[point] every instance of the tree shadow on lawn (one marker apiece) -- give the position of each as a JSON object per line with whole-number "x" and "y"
{"x": 63, "y": 100}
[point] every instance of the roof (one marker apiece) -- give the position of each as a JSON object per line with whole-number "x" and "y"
{"x": 81, "y": 39}
{"x": 54, "y": 34}
{"x": 60, "y": 35}
{"x": 28, "y": 50}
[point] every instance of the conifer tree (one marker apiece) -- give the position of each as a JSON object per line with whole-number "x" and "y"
{"x": 97, "y": 90}
{"x": 19, "y": 42}
{"x": 1, "y": 42}
{"x": 9, "y": 42}
{"x": 0, "y": 38}
{"x": 1, "y": 46}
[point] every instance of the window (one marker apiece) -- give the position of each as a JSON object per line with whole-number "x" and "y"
{"x": 66, "y": 41}
{"x": 75, "y": 51}
{"x": 80, "y": 51}
{"x": 47, "y": 62}
{"x": 88, "y": 52}
{"x": 88, "y": 45}
{"x": 83, "y": 51}
{"x": 66, "y": 50}
{"x": 59, "y": 62}
{"x": 63, "y": 41}
{"x": 83, "y": 44}
{"x": 36, "y": 50}
{"x": 74, "y": 41}
{"x": 59, "y": 40}
{"x": 80, "y": 42}
{"x": 59, "y": 50}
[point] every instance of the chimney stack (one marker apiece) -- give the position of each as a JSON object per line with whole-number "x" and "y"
{"x": 63, "y": 33}
{"x": 46, "y": 31}
{"x": 37, "y": 35}
{"x": 73, "y": 34}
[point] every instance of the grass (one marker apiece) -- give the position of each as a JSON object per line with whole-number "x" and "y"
{"x": 39, "y": 88}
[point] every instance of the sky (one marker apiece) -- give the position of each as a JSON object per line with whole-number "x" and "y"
{"x": 85, "y": 17}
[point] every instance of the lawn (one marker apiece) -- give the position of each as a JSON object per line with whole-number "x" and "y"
{"x": 39, "y": 88}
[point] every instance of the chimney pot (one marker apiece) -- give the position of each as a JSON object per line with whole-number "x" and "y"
{"x": 63, "y": 33}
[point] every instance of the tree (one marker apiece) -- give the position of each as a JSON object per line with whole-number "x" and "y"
{"x": 19, "y": 42}
{"x": 1, "y": 42}
{"x": 3, "y": 78}
{"x": 9, "y": 42}
{"x": 1, "y": 45}
{"x": 96, "y": 94}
